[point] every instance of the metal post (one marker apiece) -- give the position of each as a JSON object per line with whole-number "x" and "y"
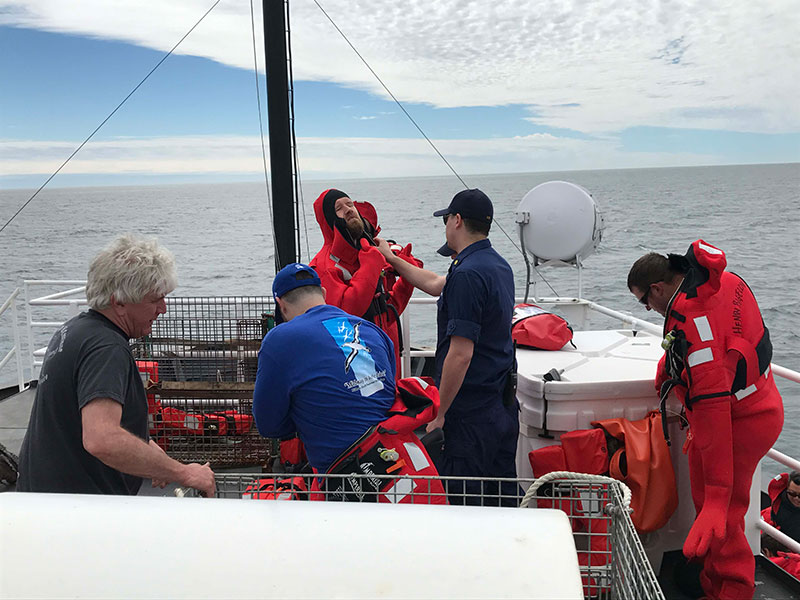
{"x": 29, "y": 320}
{"x": 405, "y": 358}
{"x": 17, "y": 346}
{"x": 280, "y": 149}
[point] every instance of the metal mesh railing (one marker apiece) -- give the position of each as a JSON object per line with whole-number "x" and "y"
{"x": 216, "y": 430}
{"x": 612, "y": 561}
{"x": 199, "y": 366}
{"x": 208, "y": 338}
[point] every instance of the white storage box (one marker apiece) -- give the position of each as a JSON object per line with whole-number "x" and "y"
{"x": 608, "y": 374}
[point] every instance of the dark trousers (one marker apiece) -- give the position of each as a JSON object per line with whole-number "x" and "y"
{"x": 482, "y": 444}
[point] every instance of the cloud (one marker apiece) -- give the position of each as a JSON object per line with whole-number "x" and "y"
{"x": 588, "y": 65}
{"x": 327, "y": 157}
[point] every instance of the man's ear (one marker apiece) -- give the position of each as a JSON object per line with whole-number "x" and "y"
{"x": 324, "y": 292}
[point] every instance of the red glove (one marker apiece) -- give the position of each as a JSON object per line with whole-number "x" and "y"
{"x": 709, "y": 524}
{"x": 712, "y": 438}
{"x": 370, "y": 256}
{"x": 405, "y": 254}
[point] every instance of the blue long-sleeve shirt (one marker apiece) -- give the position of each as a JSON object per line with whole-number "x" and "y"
{"x": 326, "y": 375}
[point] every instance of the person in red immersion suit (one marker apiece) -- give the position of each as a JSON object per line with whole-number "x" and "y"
{"x": 717, "y": 362}
{"x": 353, "y": 271}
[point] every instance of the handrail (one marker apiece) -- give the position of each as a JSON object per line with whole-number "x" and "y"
{"x": 777, "y": 534}
{"x": 784, "y": 459}
{"x": 768, "y": 529}
{"x": 15, "y": 351}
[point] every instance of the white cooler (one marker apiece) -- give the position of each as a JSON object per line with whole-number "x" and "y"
{"x": 608, "y": 374}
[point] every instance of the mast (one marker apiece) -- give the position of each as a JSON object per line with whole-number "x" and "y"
{"x": 280, "y": 146}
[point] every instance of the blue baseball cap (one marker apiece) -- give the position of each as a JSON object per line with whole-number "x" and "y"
{"x": 286, "y": 279}
{"x": 470, "y": 204}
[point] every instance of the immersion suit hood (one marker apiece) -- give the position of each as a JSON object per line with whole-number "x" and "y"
{"x": 328, "y": 209}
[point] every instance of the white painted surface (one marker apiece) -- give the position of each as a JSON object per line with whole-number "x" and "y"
{"x": 74, "y": 546}
{"x": 608, "y": 374}
{"x": 564, "y": 221}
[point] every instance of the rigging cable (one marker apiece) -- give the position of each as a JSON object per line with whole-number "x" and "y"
{"x": 300, "y": 206}
{"x": 388, "y": 91}
{"x": 260, "y": 120}
{"x": 91, "y": 135}
{"x": 410, "y": 118}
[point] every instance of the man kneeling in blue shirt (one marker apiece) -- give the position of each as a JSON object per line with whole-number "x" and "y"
{"x": 324, "y": 374}
{"x": 329, "y": 377}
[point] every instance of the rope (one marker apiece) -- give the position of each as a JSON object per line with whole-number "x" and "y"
{"x": 111, "y": 114}
{"x": 407, "y": 114}
{"x": 260, "y": 120}
{"x": 300, "y": 206}
{"x": 388, "y": 91}
{"x": 554, "y": 475}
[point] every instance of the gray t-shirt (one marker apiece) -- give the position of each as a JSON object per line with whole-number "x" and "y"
{"x": 88, "y": 358}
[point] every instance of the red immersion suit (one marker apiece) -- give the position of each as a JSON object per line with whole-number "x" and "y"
{"x": 390, "y": 448}
{"x": 355, "y": 274}
{"x": 720, "y": 360}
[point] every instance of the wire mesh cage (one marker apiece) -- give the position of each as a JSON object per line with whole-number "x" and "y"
{"x": 612, "y": 561}
{"x": 208, "y": 338}
{"x": 199, "y": 367}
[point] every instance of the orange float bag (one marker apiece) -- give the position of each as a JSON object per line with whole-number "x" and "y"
{"x": 644, "y": 465}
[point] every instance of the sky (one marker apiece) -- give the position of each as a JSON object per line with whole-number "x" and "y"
{"x": 500, "y": 87}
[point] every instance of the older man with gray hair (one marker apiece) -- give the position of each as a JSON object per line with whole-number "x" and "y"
{"x": 88, "y": 431}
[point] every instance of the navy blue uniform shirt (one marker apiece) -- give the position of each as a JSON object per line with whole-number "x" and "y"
{"x": 476, "y": 303}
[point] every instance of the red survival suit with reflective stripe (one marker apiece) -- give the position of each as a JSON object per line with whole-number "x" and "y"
{"x": 719, "y": 363}
{"x": 390, "y": 448}
{"x": 777, "y": 486}
{"x": 358, "y": 279}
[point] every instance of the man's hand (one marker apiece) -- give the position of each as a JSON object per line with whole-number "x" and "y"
{"x": 384, "y": 248}
{"x": 437, "y": 423}
{"x": 370, "y": 254}
{"x": 199, "y": 477}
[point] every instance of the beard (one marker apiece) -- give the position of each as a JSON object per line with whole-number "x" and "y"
{"x": 356, "y": 228}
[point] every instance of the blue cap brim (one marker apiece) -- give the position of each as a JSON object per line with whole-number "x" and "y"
{"x": 443, "y": 212}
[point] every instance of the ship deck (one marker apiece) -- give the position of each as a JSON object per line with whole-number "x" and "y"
{"x": 675, "y": 577}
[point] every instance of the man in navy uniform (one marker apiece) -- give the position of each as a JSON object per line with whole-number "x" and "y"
{"x": 474, "y": 352}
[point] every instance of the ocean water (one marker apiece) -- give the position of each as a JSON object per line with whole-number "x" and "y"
{"x": 221, "y": 236}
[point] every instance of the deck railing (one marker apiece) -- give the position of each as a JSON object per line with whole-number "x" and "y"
{"x": 28, "y": 362}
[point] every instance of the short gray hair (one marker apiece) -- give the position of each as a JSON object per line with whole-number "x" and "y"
{"x": 129, "y": 269}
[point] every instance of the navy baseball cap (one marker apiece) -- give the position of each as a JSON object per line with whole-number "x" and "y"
{"x": 286, "y": 280}
{"x": 470, "y": 204}
{"x": 446, "y": 250}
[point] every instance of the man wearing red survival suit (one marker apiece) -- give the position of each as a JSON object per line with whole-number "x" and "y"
{"x": 717, "y": 361}
{"x": 356, "y": 276}
{"x": 329, "y": 377}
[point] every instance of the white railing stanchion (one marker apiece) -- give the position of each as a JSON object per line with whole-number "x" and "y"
{"x": 405, "y": 358}
{"x": 29, "y": 329}
{"x": 17, "y": 346}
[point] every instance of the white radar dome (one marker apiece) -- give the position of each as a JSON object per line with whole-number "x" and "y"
{"x": 559, "y": 221}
